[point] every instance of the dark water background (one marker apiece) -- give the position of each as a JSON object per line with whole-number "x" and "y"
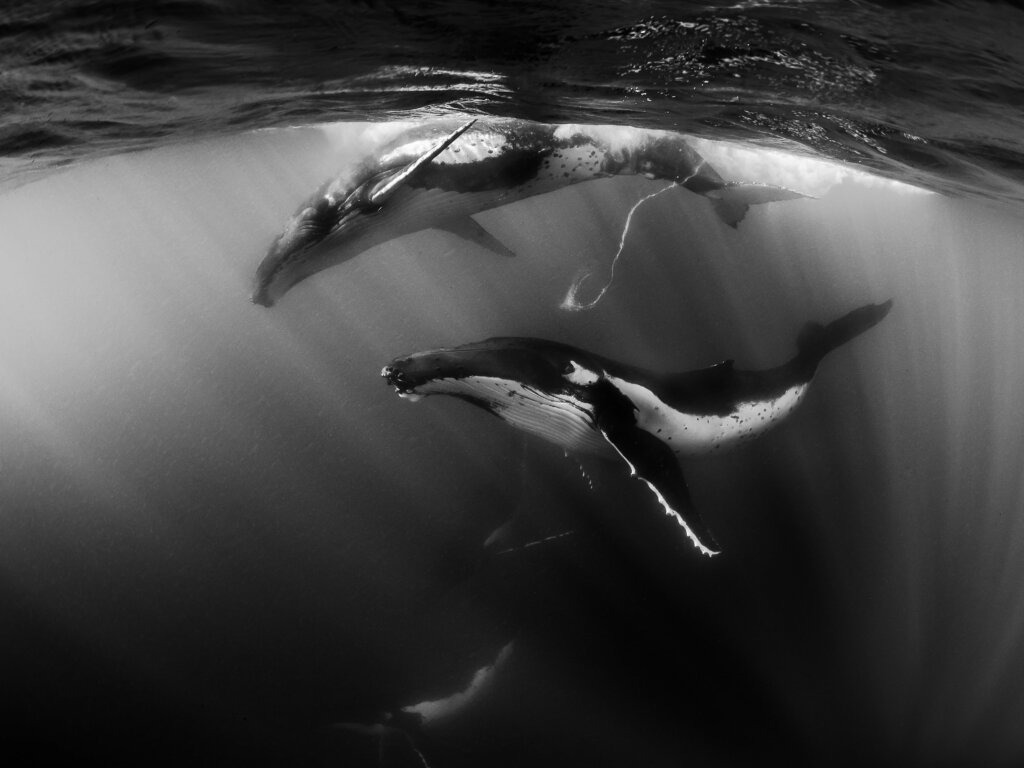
{"x": 220, "y": 533}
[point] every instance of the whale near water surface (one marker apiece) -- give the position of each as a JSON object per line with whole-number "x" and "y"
{"x": 438, "y": 174}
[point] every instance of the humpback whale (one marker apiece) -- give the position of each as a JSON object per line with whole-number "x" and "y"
{"x": 411, "y": 722}
{"x": 588, "y": 403}
{"x": 437, "y": 175}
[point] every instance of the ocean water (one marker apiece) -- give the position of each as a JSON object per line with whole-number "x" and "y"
{"x": 920, "y": 90}
{"x": 221, "y": 535}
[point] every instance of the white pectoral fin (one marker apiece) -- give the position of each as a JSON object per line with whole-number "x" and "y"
{"x": 468, "y": 229}
{"x": 432, "y": 711}
{"x": 652, "y": 461}
{"x": 387, "y": 189}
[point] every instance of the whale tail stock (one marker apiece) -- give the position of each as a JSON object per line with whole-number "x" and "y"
{"x": 732, "y": 201}
{"x": 817, "y": 340}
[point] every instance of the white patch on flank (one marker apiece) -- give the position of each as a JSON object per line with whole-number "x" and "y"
{"x": 579, "y": 375}
{"x": 665, "y": 505}
{"x": 558, "y": 418}
{"x": 692, "y": 435}
{"x": 437, "y": 709}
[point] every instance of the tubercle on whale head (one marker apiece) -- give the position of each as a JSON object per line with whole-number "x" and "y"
{"x": 395, "y": 377}
{"x": 407, "y": 374}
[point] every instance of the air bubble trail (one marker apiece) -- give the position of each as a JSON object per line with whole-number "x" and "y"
{"x": 570, "y": 302}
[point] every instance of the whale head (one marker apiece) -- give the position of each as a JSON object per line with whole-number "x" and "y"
{"x": 541, "y": 366}
{"x": 541, "y": 387}
{"x": 339, "y": 221}
{"x": 328, "y": 229}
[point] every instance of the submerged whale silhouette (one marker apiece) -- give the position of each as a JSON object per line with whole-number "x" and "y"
{"x": 437, "y": 175}
{"x": 585, "y": 402}
{"x": 411, "y": 723}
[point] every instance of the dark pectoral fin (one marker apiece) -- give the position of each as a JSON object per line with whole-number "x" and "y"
{"x": 652, "y": 461}
{"x": 468, "y": 229}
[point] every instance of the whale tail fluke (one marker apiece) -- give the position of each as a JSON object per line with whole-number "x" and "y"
{"x": 817, "y": 340}
{"x": 732, "y": 201}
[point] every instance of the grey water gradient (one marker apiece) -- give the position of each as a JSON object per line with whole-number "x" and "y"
{"x": 220, "y": 534}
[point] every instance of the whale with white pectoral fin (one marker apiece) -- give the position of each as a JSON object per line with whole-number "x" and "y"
{"x": 592, "y": 404}
{"x": 412, "y": 723}
{"x": 438, "y": 174}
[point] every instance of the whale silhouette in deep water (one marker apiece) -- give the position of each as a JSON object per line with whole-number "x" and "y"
{"x": 585, "y": 402}
{"x": 437, "y": 175}
{"x": 413, "y": 722}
